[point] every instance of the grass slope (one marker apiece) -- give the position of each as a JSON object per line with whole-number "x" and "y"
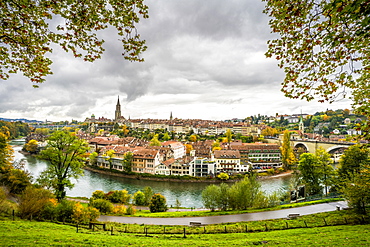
{"x": 23, "y": 233}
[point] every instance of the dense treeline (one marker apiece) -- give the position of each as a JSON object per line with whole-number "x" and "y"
{"x": 15, "y": 129}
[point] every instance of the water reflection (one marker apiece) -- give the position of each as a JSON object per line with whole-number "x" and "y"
{"x": 189, "y": 194}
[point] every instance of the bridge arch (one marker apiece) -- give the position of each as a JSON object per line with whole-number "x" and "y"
{"x": 298, "y": 145}
{"x": 340, "y": 148}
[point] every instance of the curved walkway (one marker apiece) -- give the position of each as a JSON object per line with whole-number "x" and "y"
{"x": 267, "y": 215}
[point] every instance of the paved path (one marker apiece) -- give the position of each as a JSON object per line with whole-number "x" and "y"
{"x": 278, "y": 214}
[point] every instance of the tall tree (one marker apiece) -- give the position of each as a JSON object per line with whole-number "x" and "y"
{"x": 287, "y": 155}
{"x": 6, "y": 152}
{"x": 323, "y": 48}
{"x": 311, "y": 173}
{"x": 352, "y": 161}
{"x": 66, "y": 155}
{"x": 229, "y": 135}
{"x": 127, "y": 161}
{"x": 357, "y": 191}
{"x": 148, "y": 193}
{"x": 28, "y": 32}
{"x": 154, "y": 141}
{"x": 325, "y": 162}
{"x": 210, "y": 196}
{"x": 109, "y": 154}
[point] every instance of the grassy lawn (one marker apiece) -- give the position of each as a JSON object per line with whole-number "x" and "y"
{"x": 21, "y": 233}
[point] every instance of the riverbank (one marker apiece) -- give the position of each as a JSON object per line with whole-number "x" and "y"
{"x": 138, "y": 176}
{"x": 283, "y": 174}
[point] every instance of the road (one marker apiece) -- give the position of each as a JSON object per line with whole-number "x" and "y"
{"x": 278, "y": 214}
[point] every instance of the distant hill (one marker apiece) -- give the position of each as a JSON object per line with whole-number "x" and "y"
{"x": 20, "y": 120}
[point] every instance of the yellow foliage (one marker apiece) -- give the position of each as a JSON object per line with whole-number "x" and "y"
{"x": 119, "y": 210}
{"x": 53, "y": 201}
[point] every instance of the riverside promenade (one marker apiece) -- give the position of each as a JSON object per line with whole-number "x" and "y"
{"x": 267, "y": 215}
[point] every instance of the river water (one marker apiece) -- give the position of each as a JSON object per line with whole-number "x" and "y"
{"x": 189, "y": 194}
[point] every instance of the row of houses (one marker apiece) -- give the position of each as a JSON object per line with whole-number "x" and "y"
{"x": 171, "y": 158}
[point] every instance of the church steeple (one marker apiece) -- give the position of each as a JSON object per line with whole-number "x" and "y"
{"x": 301, "y": 125}
{"x": 117, "y": 114}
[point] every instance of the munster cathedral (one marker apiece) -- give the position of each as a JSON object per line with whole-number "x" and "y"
{"x": 105, "y": 123}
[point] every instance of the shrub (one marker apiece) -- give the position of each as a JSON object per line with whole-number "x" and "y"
{"x": 5, "y": 206}
{"x": 139, "y": 198}
{"x": 32, "y": 202}
{"x": 102, "y": 205}
{"x": 131, "y": 210}
{"x": 158, "y": 203}
{"x": 118, "y": 196}
{"x": 98, "y": 194}
{"x": 50, "y": 209}
{"x": 223, "y": 176}
{"x": 64, "y": 210}
{"x": 119, "y": 210}
{"x": 84, "y": 215}
{"x": 270, "y": 171}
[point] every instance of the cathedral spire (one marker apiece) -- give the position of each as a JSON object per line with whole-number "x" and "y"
{"x": 117, "y": 114}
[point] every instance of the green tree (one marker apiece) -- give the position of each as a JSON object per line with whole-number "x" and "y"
{"x": 166, "y": 137}
{"x": 139, "y": 198}
{"x": 31, "y": 146}
{"x": 352, "y": 161}
{"x": 27, "y": 32}
{"x": 64, "y": 210}
{"x": 154, "y": 141}
{"x": 325, "y": 162}
{"x": 109, "y": 155}
{"x": 16, "y": 180}
{"x": 42, "y": 131}
{"x": 178, "y": 203}
{"x": 158, "y": 203}
{"x": 229, "y": 135}
{"x": 246, "y": 194}
{"x": 93, "y": 158}
{"x": 65, "y": 154}
{"x": 98, "y": 194}
{"x": 357, "y": 190}
{"x": 210, "y": 196}
{"x": 119, "y": 196}
{"x": 311, "y": 173}
{"x": 148, "y": 192}
{"x": 6, "y": 153}
{"x": 104, "y": 206}
{"x": 323, "y": 48}
{"x": 127, "y": 161}
{"x": 287, "y": 155}
{"x": 223, "y": 200}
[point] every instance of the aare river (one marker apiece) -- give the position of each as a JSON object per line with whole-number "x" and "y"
{"x": 189, "y": 194}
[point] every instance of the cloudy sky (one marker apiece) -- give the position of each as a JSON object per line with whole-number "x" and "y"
{"x": 205, "y": 59}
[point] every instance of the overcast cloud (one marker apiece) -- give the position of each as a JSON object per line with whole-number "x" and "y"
{"x": 205, "y": 59}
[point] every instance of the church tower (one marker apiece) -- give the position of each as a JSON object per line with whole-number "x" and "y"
{"x": 117, "y": 113}
{"x": 301, "y": 126}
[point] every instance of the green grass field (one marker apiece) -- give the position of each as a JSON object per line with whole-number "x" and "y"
{"x": 23, "y": 233}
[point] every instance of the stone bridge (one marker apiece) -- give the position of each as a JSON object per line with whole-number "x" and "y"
{"x": 312, "y": 145}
